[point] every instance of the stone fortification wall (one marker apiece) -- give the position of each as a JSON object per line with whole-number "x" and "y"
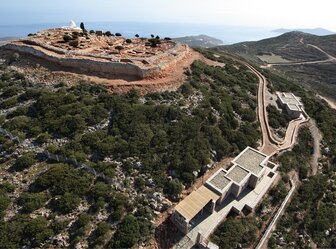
{"x": 86, "y": 64}
{"x": 100, "y": 64}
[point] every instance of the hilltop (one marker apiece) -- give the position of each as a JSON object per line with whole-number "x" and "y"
{"x": 306, "y": 57}
{"x": 203, "y": 41}
{"x": 316, "y": 31}
{"x": 102, "y": 57}
{"x": 291, "y": 46}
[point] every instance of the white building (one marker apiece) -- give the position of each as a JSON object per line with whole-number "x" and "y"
{"x": 290, "y": 103}
{"x": 246, "y": 171}
{"x": 72, "y": 26}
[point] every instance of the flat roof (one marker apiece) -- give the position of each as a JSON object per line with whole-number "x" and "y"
{"x": 293, "y": 107}
{"x": 237, "y": 173}
{"x": 195, "y": 202}
{"x": 250, "y": 159}
{"x": 289, "y": 98}
{"x": 220, "y": 180}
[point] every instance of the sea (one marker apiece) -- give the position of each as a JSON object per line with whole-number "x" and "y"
{"x": 228, "y": 34}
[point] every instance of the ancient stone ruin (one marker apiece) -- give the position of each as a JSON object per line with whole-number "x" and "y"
{"x": 102, "y": 54}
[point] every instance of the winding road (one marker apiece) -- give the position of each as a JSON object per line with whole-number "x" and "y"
{"x": 330, "y": 59}
{"x": 270, "y": 145}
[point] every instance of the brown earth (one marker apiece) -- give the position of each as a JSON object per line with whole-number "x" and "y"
{"x": 41, "y": 71}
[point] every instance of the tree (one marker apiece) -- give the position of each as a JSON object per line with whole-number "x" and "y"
{"x": 128, "y": 41}
{"x": 234, "y": 231}
{"x": 65, "y": 203}
{"x": 24, "y": 161}
{"x": 66, "y": 38}
{"x": 100, "y": 190}
{"x": 37, "y": 231}
{"x": 279, "y": 192}
{"x": 42, "y": 138}
{"x": 83, "y": 27}
{"x": 154, "y": 42}
{"x": 118, "y": 34}
{"x": 61, "y": 179}
{"x": 119, "y": 48}
{"x": 108, "y": 33}
{"x": 74, "y": 43}
{"x": 4, "y": 202}
{"x": 152, "y": 36}
{"x": 127, "y": 234}
{"x": 173, "y": 188}
{"x": 137, "y": 36}
{"x": 32, "y": 201}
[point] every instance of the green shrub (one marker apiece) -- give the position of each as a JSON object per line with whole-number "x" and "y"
{"x": 32, "y": 201}
{"x": 65, "y": 203}
{"x": 25, "y": 161}
{"x": 67, "y": 38}
{"x": 61, "y": 179}
{"x": 127, "y": 234}
{"x": 74, "y": 43}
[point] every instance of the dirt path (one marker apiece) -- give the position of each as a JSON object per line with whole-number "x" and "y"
{"x": 317, "y": 137}
{"x": 331, "y": 59}
{"x": 330, "y": 102}
{"x": 170, "y": 79}
{"x": 269, "y": 145}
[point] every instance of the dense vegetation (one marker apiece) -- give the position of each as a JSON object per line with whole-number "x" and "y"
{"x": 311, "y": 214}
{"x": 299, "y": 157}
{"x": 311, "y": 211}
{"x": 236, "y": 231}
{"x": 276, "y": 118}
{"x": 136, "y": 140}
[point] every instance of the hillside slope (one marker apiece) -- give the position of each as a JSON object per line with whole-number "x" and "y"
{"x": 290, "y": 52}
{"x": 316, "y": 31}
{"x": 203, "y": 41}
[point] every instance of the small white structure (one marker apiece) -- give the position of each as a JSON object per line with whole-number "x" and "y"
{"x": 290, "y": 103}
{"x": 72, "y": 26}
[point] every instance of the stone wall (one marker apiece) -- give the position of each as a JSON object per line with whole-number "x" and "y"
{"x": 86, "y": 64}
{"x": 100, "y": 65}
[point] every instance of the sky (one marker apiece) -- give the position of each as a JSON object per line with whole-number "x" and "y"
{"x": 256, "y": 13}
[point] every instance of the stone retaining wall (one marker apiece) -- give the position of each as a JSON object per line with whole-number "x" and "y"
{"x": 83, "y": 64}
{"x": 99, "y": 65}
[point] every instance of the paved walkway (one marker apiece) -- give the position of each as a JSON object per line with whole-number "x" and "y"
{"x": 269, "y": 145}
